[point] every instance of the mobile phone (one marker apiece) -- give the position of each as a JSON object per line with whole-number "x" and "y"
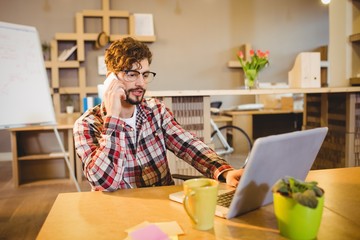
{"x": 108, "y": 80}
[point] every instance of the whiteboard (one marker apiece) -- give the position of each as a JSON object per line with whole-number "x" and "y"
{"x": 25, "y": 96}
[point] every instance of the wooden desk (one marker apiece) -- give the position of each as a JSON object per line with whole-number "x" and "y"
{"x": 244, "y": 119}
{"x": 221, "y": 119}
{"x": 100, "y": 215}
{"x": 264, "y": 122}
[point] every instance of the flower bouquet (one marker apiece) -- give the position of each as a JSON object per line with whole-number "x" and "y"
{"x": 258, "y": 60}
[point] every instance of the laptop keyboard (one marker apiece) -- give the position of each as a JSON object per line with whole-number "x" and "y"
{"x": 225, "y": 198}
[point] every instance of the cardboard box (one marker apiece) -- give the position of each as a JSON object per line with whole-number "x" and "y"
{"x": 287, "y": 103}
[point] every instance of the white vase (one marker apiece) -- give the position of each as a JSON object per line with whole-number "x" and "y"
{"x": 69, "y": 109}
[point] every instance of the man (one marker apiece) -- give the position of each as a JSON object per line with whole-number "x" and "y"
{"x": 122, "y": 142}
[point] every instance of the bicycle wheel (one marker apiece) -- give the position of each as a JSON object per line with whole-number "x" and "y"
{"x": 239, "y": 142}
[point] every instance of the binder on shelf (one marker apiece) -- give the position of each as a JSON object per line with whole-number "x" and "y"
{"x": 144, "y": 24}
{"x": 66, "y": 54}
{"x": 89, "y": 102}
{"x": 306, "y": 71}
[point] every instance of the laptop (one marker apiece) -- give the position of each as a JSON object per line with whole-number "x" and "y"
{"x": 271, "y": 158}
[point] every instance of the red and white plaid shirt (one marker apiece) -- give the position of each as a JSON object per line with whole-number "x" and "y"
{"x": 114, "y": 156}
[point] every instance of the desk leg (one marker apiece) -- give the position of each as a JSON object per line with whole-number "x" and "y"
{"x": 79, "y": 171}
{"x": 70, "y": 142}
{"x": 245, "y": 122}
{"x": 15, "y": 163}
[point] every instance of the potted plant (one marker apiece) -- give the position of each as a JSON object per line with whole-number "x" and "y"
{"x": 69, "y": 104}
{"x": 298, "y": 207}
{"x": 45, "y": 46}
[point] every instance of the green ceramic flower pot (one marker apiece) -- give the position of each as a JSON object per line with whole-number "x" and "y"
{"x": 296, "y": 221}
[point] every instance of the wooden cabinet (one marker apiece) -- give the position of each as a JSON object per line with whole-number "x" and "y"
{"x": 340, "y": 113}
{"x": 68, "y": 79}
{"x": 37, "y": 155}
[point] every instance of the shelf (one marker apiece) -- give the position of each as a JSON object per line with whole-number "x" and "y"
{"x": 355, "y": 81}
{"x": 355, "y": 37}
{"x": 69, "y": 90}
{"x": 47, "y": 156}
{"x": 45, "y": 182}
{"x": 221, "y": 118}
{"x": 148, "y": 39}
{"x": 64, "y": 64}
{"x": 75, "y": 36}
{"x": 110, "y": 13}
{"x": 67, "y": 36}
{"x": 47, "y": 163}
{"x": 324, "y": 64}
{"x": 234, "y": 64}
{"x": 239, "y": 92}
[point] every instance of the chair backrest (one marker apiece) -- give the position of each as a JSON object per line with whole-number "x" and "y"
{"x": 216, "y": 104}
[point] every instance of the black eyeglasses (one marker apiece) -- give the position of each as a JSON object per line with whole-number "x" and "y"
{"x": 133, "y": 75}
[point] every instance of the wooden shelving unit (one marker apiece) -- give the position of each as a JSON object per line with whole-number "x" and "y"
{"x": 44, "y": 165}
{"x": 355, "y": 40}
{"x": 32, "y": 164}
{"x": 74, "y": 66}
{"x": 353, "y": 123}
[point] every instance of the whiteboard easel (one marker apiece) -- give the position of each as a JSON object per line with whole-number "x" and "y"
{"x": 24, "y": 86}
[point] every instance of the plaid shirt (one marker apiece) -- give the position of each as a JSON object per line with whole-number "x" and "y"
{"x": 114, "y": 157}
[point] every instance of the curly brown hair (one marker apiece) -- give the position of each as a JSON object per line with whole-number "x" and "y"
{"x": 122, "y": 54}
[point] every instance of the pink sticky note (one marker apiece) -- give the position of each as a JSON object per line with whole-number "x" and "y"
{"x": 149, "y": 232}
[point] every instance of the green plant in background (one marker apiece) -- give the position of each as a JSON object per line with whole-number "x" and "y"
{"x": 45, "y": 46}
{"x": 68, "y": 100}
{"x": 305, "y": 193}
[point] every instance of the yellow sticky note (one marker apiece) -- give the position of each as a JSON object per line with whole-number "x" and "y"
{"x": 143, "y": 224}
{"x": 170, "y": 228}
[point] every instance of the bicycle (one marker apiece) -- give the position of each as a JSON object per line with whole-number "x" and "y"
{"x": 222, "y": 140}
{"x": 225, "y": 137}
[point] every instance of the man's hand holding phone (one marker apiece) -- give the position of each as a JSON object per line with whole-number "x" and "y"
{"x": 113, "y": 94}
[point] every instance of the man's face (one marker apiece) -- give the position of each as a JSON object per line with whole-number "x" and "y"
{"x": 135, "y": 89}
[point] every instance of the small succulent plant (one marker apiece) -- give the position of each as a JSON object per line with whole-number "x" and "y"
{"x": 305, "y": 193}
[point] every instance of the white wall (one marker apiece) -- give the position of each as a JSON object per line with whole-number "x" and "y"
{"x": 196, "y": 38}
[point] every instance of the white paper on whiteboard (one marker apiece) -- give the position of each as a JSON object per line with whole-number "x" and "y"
{"x": 144, "y": 24}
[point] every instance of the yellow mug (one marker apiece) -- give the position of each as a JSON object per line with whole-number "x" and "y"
{"x": 200, "y": 201}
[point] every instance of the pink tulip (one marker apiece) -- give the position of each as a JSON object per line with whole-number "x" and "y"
{"x": 252, "y": 52}
{"x": 240, "y": 54}
{"x": 263, "y": 54}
